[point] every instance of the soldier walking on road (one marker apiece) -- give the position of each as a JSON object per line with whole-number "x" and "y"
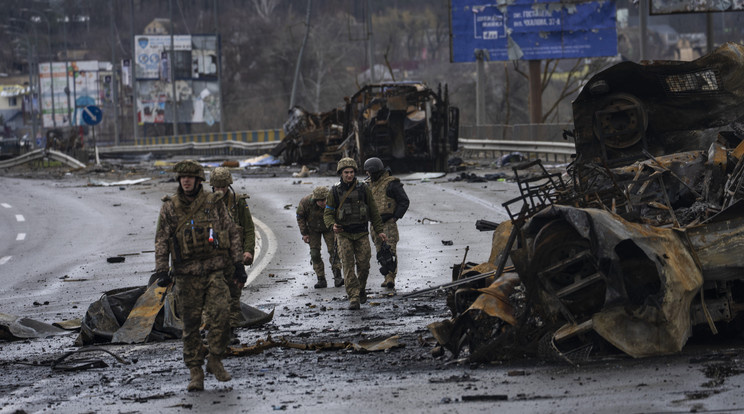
{"x": 349, "y": 207}
{"x": 392, "y": 202}
{"x": 196, "y": 233}
{"x": 237, "y": 208}
{"x": 312, "y": 227}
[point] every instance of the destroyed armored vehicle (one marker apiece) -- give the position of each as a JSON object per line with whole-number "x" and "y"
{"x": 637, "y": 245}
{"x": 405, "y": 124}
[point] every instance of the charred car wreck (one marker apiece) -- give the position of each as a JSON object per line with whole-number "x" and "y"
{"x": 406, "y": 124}
{"x": 635, "y": 247}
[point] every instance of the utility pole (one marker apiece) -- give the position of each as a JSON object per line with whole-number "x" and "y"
{"x": 219, "y": 65}
{"x": 299, "y": 56}
{"x": 481, "y": 55}
{"x": 172, "y": 64}
{"x": 133, "y": 67}
{"x": 114, "y": 78}
{"x": 370, "y": 44}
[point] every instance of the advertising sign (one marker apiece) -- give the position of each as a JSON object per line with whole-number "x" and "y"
{"x": 533, "y": 30}
{"x": 697, "y": 6}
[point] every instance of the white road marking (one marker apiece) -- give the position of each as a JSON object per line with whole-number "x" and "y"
{"x": 21, "y": 236}
{"x": 5, "y": 260}
{"x": 269, "y": 244}
{"x": 6, "y": 205}
{"x": 19, "y": 217}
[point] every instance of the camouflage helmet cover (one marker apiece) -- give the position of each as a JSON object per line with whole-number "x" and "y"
{"x": 373, "y": 165}
{"x": 346, "y": 163}
{"x": 320, "y": 193}
{"x": 189, "y": 168}
{"x": 220, "y": 177}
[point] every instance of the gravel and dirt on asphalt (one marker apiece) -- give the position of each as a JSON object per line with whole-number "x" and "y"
{"x": 705, "y": 377}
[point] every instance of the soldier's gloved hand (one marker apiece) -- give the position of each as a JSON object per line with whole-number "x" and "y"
{"x": 163, "y": 277}
{"x": 240, "y": 275}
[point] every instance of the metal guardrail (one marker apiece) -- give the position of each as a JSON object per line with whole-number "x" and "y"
{"x": 487, "y": 148}
{"x": 217, "y": 145}
{"x": 41, "y": 154}
{"x": 254, "y": 136}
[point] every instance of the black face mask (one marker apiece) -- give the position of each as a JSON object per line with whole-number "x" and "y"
{"x": 376, "y": 175}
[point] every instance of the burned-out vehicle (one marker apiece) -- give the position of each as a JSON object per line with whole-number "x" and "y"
{"x": 637, "y": 245}
{"x": 406, "y": 124}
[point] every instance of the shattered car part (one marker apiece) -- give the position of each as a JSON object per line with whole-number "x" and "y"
{"x": 142, "y": 314}
{"x": 639, "y": 247}
{"x": 15, "y": 327}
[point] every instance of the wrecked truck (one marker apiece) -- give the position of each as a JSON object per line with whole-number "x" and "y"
{"x": 409, "y": 126}
{"x": 637, "y": 245}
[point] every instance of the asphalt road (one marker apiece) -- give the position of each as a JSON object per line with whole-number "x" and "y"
{"x": 59, "y": 267}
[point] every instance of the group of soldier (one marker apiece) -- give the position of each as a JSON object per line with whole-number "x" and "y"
{"x": 204, "y": 240}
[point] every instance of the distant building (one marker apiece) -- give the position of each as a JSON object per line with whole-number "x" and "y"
{"x": 158, "y": 26}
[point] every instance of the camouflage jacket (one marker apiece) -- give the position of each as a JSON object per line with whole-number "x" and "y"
{"x": 237, "y": 208}
{"x": 166, "y": 245}
{"x": 310, "y": 216}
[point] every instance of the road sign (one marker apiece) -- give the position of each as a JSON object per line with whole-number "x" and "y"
{"x": 92, "y": 115}
{"x": 532, "y": 29}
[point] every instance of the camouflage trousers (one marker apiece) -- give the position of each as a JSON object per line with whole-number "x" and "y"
{"x": 315, "y": 257}
{"x": 354, "y": 252}
{"x": 205, "y": 293}
{"x": 390, "y": 228}
{"x": 236, "y": 314}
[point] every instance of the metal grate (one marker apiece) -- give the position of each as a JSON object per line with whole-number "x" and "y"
{"x": 702, "y": 81}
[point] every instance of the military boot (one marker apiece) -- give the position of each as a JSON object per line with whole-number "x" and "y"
{"x": 338, "y": 278}
{"x": 389, "y": 281}
{"x": 196, "y": 382}
{"x": 321, "y": 283}
{"x": 354, "y": 304}
{"x": 214, "y": 367}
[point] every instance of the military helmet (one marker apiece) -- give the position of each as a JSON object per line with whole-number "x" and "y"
{"x": 346, "y": 163}
{"x": 320, "y": 193}
{"x": 220, "y": 177}
{"x": 189, "y": 168}
{"x": 373, "y": 165}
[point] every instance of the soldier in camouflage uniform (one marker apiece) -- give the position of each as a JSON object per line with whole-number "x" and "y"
{"x": 237, "y": 208}
{"x": 349, "y": 207}
{"x": 313, "y": 228}
{"x": 392, "y": 201}
{"x": 196, "y": 233}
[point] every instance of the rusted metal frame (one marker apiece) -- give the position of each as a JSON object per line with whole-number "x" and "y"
{"x": 655, "y": 160}
{"x": 576, "y": 286}
{"x": 690, "y": 248}
{"x": 667, "y": 202}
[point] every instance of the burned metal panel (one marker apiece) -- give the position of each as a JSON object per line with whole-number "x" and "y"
{"x": 663, "y": 107}
{"x": 648, "y": 275}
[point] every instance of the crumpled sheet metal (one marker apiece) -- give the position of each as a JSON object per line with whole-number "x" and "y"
{"x": 15, "y": 327}
{"x": 141, "y": 318}
{"x": 495, "y": 299}
{"x": 660, "y": 325}
{"x": 110, "y": 313}
{"x": 719, "y": 244}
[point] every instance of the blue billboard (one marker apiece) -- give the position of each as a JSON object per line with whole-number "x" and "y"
{"x": 533, "y": 29}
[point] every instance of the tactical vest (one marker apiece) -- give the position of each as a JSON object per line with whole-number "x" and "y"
{"x": 354, "y": 209}
{"x": 198, "y": 232}
{"x": 385, "y": 204}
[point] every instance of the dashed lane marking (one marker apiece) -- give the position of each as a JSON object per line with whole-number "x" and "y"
{"x": 21, "y": 236}
{"x": 19, "y": 217}
{"x": 5, "y": 260}
{"x": 6, "y": 205}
